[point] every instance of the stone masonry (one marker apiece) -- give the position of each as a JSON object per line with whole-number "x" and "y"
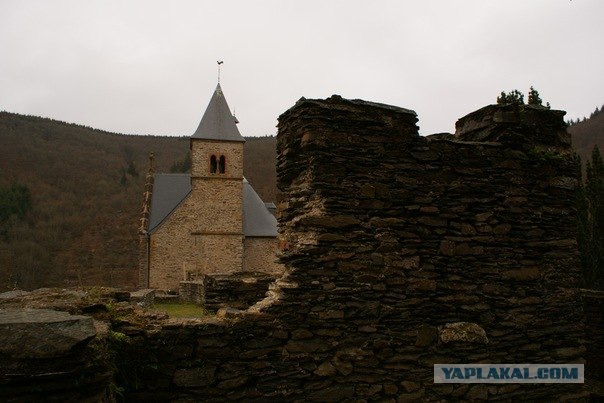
{"x": 260, "y": 252}
{"x": 210, "y": 222}
{"x": 393, "y": 237}
{"x": 401, "y": 252}
{"x": 211, "y": 216}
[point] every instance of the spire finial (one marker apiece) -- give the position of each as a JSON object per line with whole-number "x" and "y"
{"x": 219, "y": 63}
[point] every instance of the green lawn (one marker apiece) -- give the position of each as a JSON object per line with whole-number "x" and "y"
{"x": 180, "y": 310}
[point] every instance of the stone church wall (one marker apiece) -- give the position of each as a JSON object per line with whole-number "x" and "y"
{"x": 177, "y": 254}
{"x": 219, "y": 206}
{"x": 260, "y": 254}
{"x": 171, "y": 249}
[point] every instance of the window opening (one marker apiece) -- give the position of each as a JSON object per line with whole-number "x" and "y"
{"x": 222, "y": 164}
{"x": 213, "y": 164}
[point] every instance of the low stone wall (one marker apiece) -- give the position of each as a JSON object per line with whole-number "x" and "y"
{"x": 239, "y": 291}
{"x": 144, "y": 298}
{"x": 193, "y": 292}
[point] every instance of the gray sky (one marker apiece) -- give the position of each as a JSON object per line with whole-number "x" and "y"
{"x": 149, "y": 67}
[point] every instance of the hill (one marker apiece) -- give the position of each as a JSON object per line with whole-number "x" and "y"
{"x": 587, "y": 133}
{"x": 86, "y": 192}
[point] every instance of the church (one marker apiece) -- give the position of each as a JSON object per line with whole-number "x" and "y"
{"x": 208, "y": 222}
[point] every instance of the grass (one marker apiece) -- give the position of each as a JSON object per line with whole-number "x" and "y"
{"x": 180, "y": 310}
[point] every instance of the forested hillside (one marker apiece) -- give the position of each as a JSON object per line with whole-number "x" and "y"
{"x": 71, "y": 199}
{"x": 588, "y": 132}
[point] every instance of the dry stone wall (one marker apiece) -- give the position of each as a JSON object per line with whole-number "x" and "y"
{"x": 400, "y": 252}
{"x": 239, "y": 290}
{"x": 193, "y": 292}
{"x": 391, "y": 236}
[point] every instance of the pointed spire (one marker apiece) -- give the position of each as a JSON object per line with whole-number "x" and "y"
{"x": 218, "y": 123}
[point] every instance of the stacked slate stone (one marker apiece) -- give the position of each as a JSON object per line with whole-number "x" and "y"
{"x": 516, "y": 126}
{"x": 239, "y": 291}
{"x": 390, "y": 237}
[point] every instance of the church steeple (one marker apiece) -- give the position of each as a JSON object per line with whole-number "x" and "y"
{"x": 218, "y": 123}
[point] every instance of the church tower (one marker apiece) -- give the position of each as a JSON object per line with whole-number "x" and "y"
{"x": 208, "y": 222}
{"x": 217, "y": 190}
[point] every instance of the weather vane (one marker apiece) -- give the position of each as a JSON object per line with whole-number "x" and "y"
{"x": 219, "y": 63}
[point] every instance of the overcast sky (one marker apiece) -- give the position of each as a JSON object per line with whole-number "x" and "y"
{"x": 149, "y": 67}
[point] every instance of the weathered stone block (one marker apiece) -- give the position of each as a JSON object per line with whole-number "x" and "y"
{"x": 41, "y": 333}
{"x": 195, "y": 377}
{"x": 464, "y": 332}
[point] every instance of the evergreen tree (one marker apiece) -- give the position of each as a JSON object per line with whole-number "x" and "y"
{"x": 183, "y": 165}
{"x": 512, "y": 97}
{"x": 534, "y": 98}
{"x": 595, "y": 113}
{"x": 123, "y": 178}
{"x": 590, "y": 222}
{"x": 14, "y": 200}
{"x": 132, "y": 171}
{"x": 517, "y": 98}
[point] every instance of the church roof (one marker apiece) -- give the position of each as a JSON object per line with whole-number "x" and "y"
{"x": 169, "y": 190}
{"x": 218, "y": 123}
{"x": 257, "y": 219}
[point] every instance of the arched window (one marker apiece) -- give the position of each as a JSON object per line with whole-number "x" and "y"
{"x": 222, "y": 164}
{"x": 213, "y": 164}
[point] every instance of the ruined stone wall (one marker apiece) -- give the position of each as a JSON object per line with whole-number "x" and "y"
{"x": 400, "y": 252}
{"x": 260, "y": 255}
{"x": 192, "y": 292}
{"x": 392, "y": 236}
{"x": 238, "y": 291}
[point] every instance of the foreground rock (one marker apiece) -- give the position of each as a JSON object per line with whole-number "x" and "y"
{"x": 40, "y": 333}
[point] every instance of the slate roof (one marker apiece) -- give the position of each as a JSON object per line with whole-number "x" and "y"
{"x": 169, "y": 190}
{"x": 218, "y": 123}
{"x": 257, "y": 219}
